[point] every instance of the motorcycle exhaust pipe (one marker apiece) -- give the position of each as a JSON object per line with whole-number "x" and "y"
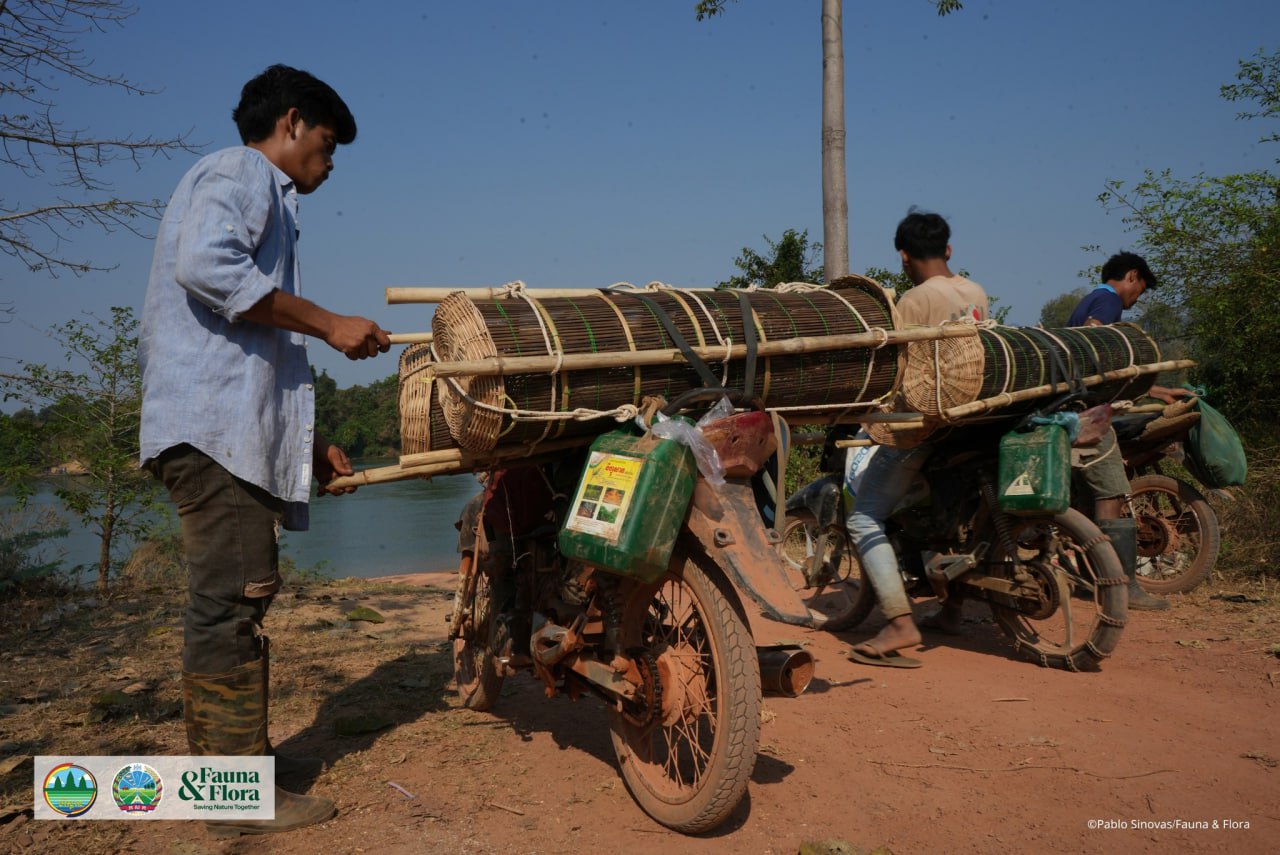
{"x": 785, "y": 669}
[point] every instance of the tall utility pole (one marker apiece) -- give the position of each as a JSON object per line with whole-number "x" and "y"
{"x": 835, "y": 199}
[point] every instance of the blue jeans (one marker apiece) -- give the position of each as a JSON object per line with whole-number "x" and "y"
{"x": 888, "y": 478}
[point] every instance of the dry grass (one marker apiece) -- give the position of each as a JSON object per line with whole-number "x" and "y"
{"x": 1250, "y": 522}
{"x": 85, "y": 676}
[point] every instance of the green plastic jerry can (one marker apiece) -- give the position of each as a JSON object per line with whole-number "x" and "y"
{"x": 1035, "y": 471}
{"x": 630, "y": 504}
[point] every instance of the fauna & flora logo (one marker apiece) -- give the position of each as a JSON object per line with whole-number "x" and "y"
{"x": 137, "y": 788}
{"x": 70, "y": 789}
{"x": 210, "y": 784}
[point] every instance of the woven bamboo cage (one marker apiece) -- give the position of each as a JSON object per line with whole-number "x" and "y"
{"x": 483, "y": 412}
{"x": 952, "y": 372}
{"x": 422, "y": 424}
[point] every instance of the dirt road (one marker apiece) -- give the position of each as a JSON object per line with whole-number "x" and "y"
{"x": 1174, "y": 746}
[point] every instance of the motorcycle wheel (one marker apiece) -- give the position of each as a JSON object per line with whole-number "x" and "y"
{"x": 688, "y": 758}
{"x": 841, "y": 600}
{"x": 1082, "y": 590}
{"x": 1178, "y": 534}
{"x": 476, "y": 669}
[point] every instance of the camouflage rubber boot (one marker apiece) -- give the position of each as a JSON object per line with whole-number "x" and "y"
{"x": 226, "y": 715}
{"x": 288, "y": 767}
{"x": 1124, "y": 539}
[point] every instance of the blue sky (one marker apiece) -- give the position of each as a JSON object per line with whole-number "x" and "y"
{"x": 578, "y": 144}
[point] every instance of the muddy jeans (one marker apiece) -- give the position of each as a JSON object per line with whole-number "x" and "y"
{"x": 888, "y": 478}
{"x": 229, "y": 535}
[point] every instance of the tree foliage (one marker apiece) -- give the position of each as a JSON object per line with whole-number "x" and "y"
{"x": 793, "y": 258}
{"x": 88, "y": 420}
{"x": 1215, "y": 242}
{"x": 1056, "y": 312}
{"x": 363, "y": 420}
{"x": 38, "y": 59}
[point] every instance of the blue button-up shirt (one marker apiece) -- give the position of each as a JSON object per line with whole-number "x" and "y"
{"x": 238, "y": 391}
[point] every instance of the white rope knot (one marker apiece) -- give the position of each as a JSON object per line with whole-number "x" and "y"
{"x": 514, "y": 288}
{"x": 791, "y": 287}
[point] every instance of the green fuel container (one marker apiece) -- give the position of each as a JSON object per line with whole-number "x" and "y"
{"x": 630, "y": 504}
{"x": 1035, "y": 471}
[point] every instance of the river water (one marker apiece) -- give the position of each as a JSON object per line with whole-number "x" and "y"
{"x": 379, "y": 530}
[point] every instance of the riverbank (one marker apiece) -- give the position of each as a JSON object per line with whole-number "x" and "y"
{"x": 379, "y": 530}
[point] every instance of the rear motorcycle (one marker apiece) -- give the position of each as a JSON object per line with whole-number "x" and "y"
{"x": 1178, "y": 532}
{"x": 1053, "y": 582}
{"x": 674, "y": 658}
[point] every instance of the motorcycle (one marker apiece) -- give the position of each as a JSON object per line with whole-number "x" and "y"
{"x": 1053, "y": 582}
{"x": 673, "y": 656}
{"x": 1178, "y": 532}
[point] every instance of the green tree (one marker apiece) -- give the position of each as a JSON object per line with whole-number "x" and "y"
{"x": 363, "y": 420}
{"x": 91, "y": 420}
{"x": 835, "y": 195}
{"x": 791, "y": 259}
{"x": 1057, "y": 311}
{"x": 39, "y": 58}
{"x": 1215, "y": 242}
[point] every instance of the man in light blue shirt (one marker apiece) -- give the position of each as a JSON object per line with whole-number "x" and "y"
{"x": 228, "y": 408}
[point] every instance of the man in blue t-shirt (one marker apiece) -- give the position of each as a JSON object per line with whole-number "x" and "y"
{"x": 1124, "y": 277}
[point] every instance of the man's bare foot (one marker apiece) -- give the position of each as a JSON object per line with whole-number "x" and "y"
{"x": 898, "y": 634}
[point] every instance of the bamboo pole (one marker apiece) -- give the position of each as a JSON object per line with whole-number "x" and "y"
{"x": 1006, "y": 398}
{"x": 454, "y": 461}
{"x": 460, "y": 455}
{"x": 410, "y": 338}
{"x": 502, "y": 365}
{"x": 405, "y": 294}
{"x": 910, "y": 421}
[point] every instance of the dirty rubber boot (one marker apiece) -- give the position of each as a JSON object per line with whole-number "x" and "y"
{"x": 288, "y": 767}
{"x": 225, "y": 715}
{"x": 1124, "y": 539}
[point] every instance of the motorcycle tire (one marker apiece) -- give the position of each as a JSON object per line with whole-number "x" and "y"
{"x": 1178, "y": 534}
{"x": 846, "y": 598}
{"x": 476, "y": 670}
{"x": 687, "y": 759}
{"x": 1083, "y": 589}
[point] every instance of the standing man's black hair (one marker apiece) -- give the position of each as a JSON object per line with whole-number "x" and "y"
{"x": 271, "y": 94}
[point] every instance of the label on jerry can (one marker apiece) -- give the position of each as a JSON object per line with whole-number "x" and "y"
{"x": 604, "y": 496}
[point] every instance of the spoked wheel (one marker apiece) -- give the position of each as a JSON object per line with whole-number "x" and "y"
{"x": 476, "y": 669}
{"x": 823, "y": 568}
{"x": 1071, "y": 602}
{"x": 688, "y": 755}
{"x": 1178, "y": 536}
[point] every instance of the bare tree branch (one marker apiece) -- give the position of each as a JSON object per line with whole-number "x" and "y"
{"x": 39, "y": 55}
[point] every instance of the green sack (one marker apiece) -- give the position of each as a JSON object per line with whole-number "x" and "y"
{"x": 1214, "y": 452}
